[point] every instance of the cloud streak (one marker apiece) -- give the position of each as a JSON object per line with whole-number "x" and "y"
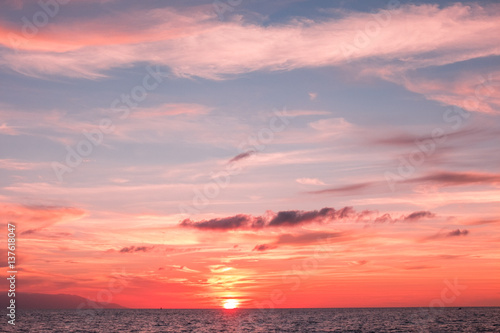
{"x": 242, "y": 156}
{"x": 449, "y": 234}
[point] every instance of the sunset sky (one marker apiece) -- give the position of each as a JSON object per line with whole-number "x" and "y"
{"x": 286, "y": 153}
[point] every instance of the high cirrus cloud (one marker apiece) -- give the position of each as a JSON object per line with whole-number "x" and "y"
{"x": 177, "y": 38}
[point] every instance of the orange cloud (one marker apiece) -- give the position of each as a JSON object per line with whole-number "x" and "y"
{"x": 33, "y": 218}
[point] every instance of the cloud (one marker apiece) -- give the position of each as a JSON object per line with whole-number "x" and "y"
{"x": 384, "y": 218}
{"x": 219, "y": 268}
{"x": 184, "y": 269}
{"x": 467, "y": 90}
{"x": 264, "y": 247}
{"x": 449, "y": 234}
{"x": 483, "y": 221}
{"x": 406, "y": 139}
{"x": 170, "y": 109}
{"x": 416, "y": 216}
{"x": 177, "y": 38}
{"x": 294, "y": 218}
{"x": 442, "y": 178}
{"x": 303, "y": 239}
{"x": 331, "y": 126}
{"x": 457, "y": 178}
{"x": 155, "y": 123}
{"x": 309, "y": 238}
{"x": 8, "y": 130}
{"x": 418, "y": 267}
{"x": 457, "y": 232}
{"x": 12, "y": 164}
{"x": 39, "y": 233}
{"x": 347, "y": 189}
{"x": 299, "y": 113}
{"x": 242, "y": 156}
{"x": 413, "y": 217}
{"x": 226, "y": 223}
{"x": 132, "y": 249}
{"x": 34, "y": 218}
{"x": 309, "y": 181}
{"x": 288, "y": 218}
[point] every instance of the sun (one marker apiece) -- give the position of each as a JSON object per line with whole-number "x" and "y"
{"x": 230, "y": 304}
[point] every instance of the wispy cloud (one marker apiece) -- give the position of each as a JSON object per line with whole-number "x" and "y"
{"x": 457, "y": 178}
{"x": 176, "y": 39}
{"x": 264, "y": 247}
{"x": 31, "y": 218}
{"x": 448, "y": 234}
{"x": 242, "y": 156}
{"x": 309, "y": 181}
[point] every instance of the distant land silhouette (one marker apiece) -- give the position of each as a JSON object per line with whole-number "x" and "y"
{"x": 33, "y": 301}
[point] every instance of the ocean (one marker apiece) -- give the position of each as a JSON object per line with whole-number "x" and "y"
{"x": 254, "y": 320}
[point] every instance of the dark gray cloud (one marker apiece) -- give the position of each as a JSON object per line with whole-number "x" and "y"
{"x": 242, "y": 156}
{"x": 296, "y": 217}
{"x": 293, "y": 218}
{"x": 287, "y": 218}
{"x": 457, "y": 232}
{"x": 132, "y": 249}
{"x": 264, "y": 247}
{"x": 415, "y": 216}
{"x": 224, "y": 223}
{"x": 449, "y": 234}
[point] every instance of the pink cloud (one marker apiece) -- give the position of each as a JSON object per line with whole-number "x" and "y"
{"x": 444, "y": 35}
{"x": 470, "y": 91}
{"x": 309, "y": 181}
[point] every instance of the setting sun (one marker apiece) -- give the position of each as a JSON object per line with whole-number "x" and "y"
{"x": 231, "y": 304}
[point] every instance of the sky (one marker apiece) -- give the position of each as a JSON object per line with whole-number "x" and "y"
{"x": 269, "y": 154}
